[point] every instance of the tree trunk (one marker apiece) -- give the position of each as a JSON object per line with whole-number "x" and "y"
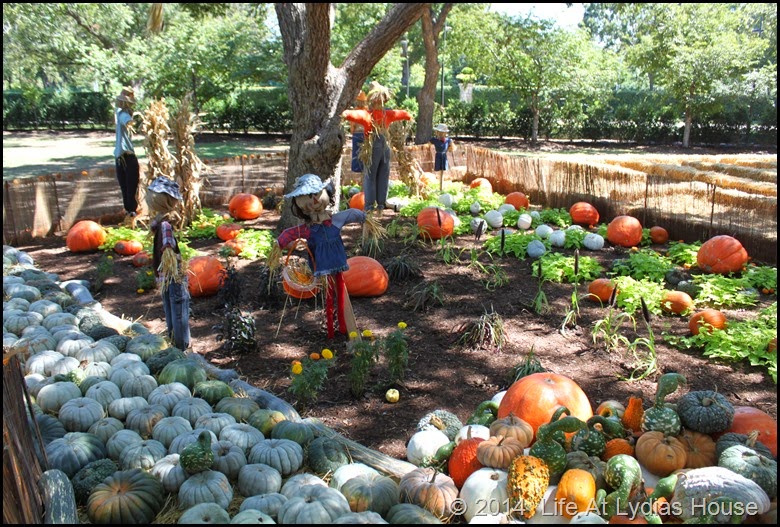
{"x": 426, "y": 98}
{"x": 534, "y": 121}
{"x": 687, "y": 131}
{"x": 319, "y": 92}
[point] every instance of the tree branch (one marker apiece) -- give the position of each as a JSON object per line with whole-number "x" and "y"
{"x": 104, "y": 41}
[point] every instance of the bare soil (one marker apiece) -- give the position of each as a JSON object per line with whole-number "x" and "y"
{"x": 442, "y": 373}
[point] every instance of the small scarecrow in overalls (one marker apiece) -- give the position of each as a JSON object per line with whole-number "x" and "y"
{"x": 310, "y": 199}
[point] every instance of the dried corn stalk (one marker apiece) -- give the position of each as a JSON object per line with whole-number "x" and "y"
{"x": 156, "y": 133}
{"x": 188, "y": 166}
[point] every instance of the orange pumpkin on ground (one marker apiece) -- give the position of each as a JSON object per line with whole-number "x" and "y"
{"x": 245, "y": 206}
{"x": 534, "y": 399}
{"x": 617, "y": 446}
{"x": 463, "y": 461}
{"x": 576, "y": 492}
{"x": 625, "y": 231}
{"x": 206, "y": 275}
{"x": 482, "y": 184}
{"x": 435, "y": 223}
{"x": 722, "y": 255}
{"x": 706, "y": 320}
{"x": 85, "y": 236}
{"x": 747, "y": 419}
{"x": 601, "y": 289}
{"x": 228, "y": 231}
{"x": 236, "y": 246}
{"x": 583, "y": 213}
{"x": 677, "y": 302}
{"x": 128, "y": 247}
{"x": 660, "y": 455}
{"x": 358, "y": 201}
{"x": 365, "y": 277}
{"x": 518, "y": 200}
{"x": 142, "y": 259}
{"x": 699, "y": 448}
{"x": 659, "y": 235}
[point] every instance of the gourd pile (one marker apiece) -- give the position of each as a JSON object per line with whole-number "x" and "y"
{"x": 129, "y": 424}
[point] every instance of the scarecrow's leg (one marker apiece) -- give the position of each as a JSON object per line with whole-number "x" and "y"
{"x": 329, "y": 306}
{"x": 341, "y": 290}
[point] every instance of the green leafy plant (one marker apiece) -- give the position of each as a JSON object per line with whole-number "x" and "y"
{"x": 645, "y": 263}
{"x": 204, "y": 225}
{"x": 514, "y": 244}
{"x": 496, "y": 277}
{"x": 423, "y": 295}
{"x": 528, "y": 366}
{"x": 645, "y": 360}
{"x": 487, "y": 332}
{"x": 744, "y": 340}
{"x": 145, "y": 279}
{"x": 632, "y": 293}
{"x": 558, "y": 267}
{"x": 396, "y": 350}
{"x": 364, "y": 355}
{"x": 541, "y": 305}
{"x": 447, "y": 251}
{"x": 557, "y": 217}
{"x": 308, "y": 378}
{"x": 255, "y": 243}
{"x": 715, "y": 290}
{"x": 763, "y": 278}
{"x": 105, "y": 270}
{"x": 682, "y": 253}
{"x": 239, "y": 331}
{"x": 124, "y": 233}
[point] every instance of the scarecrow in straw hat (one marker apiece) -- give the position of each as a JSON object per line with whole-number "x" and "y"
{"x": 358, "y": 133}
{"x": 376, "y": 122}
{"x": 127, "y": 171}
{"x": 310, "y": 199}
{"x": 162, "y": 198}
{"x": 442, "y": 143}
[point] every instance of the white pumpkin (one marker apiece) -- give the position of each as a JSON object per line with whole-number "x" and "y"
{"x": 593, "y": 241}
{"x": 424, "y": 444}
{"x": 535, "y": 214}
{"x": 476, "y": 222}
{"x": 494, "y": 218}
{"x": 557, "y": 238}
{"x": 476, "y": 431}
{"x": 544, "y": 231}
{"x": 446, "y": 200}
{"x": 484, "y": 493}
{"x": 575, "y": 227}
{"x": 498, "y": 397}
{"x": 475, "y": 208}
{"x": 455, "y": 219}
{"x": 346, "y": 472}
{"x": 536, "y": 249}
{"x": 506, "y": 207}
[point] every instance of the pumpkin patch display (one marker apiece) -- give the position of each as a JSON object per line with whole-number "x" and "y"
{"x": 85, "y": 236}
{"x": 676, "y": 302}
{"x": 722, "y": 255}
{"x": 660, "y": 454}
{"x": 583, "y": 213}
{"x": 747, "y": 419}
{"x": 518, "y": 200}
{"x": 228, "y": 231}
{"x": 365, "y": 277}
{"x": 435, "y": 223}
{"x": 206, "y": 275}
{"x": 600, "y": 290}
{"x": 706, "y": 320}
{"x": 625, "y": 231}
{"x": 128, "y": 247}
{"x": 535, "y": 398}
{"x": 245, "y": 206}
{"x": 659, "y": 235}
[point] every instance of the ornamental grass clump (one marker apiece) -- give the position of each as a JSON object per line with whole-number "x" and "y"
{"x": 487, "y": 332}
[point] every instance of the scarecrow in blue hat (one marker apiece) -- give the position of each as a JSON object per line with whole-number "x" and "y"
{"x": 310, "y": 200}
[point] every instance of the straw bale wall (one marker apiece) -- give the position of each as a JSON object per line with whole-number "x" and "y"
{"x": 694, "y": 197}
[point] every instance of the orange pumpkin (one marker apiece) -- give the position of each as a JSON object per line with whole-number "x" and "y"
{"x": 228, "y": 231}
{"x": 748, "y": 418}
{"x": 576, "y": 492}
{"x": 142, "y": 259}
{"x": 699, "y": 449}
{"x": 772, "y": 346}
{"x": 632, "y": 417}
{"x": 677, "y": 302}
{"x": 518, "y": 199}
{"x": 463, "y": 461}
{"x": 206, "y": 275}
{"x": 617, "y": 446}
{"x": 358, "y": 201}
{"x": 600, "y": 289}
{"x": 659, "y": 235}
{"x": 534, "y": 399}
{"x": 128, "y": 247}
{"x": 435, "y": 223}
{"x": 625, "y": 231}
{"x": 660, "y": 455}
{"x": 482, "y": 184}
{"x": 583, "y": 213}
{"x": 706, "y": 320}
{"x": 722, "y": 255}
{"x": 513, "y": 426}
{"x": 236, "y": 246}
{"x": 365, "y": 277}
{"x": 85, "y": 236}
{"x": 245, "y": 206}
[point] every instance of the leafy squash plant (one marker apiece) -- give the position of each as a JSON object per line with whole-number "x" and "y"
{"x": 560, "y": 268}
{"x": 645, "y": 263}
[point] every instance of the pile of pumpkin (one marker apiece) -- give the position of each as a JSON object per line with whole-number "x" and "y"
{"x": 537, "y": 452}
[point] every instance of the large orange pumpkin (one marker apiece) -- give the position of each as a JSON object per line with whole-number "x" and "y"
{"x": 677, "y": 302}
{"x": 228, "y": 231}
{"x": 576, "y": 492}
{"x": 206, "y": 275}
{"x": 660, "y": 455}
{"x": 142, "y": 259}
{"x": 659, "y": 235}
{"x": 245, "y": 206}
{"x": 600, "y": 289}
{"x": 518, "y": 199}
{"x": 358, "y": 201}
{"x": 85, "y": 236}
{"x": 722, "y": 255}
{"x": 534, "y": 399}
{"x": 482, "y": 184}
{"x": 625, "y": 231}
{"x": 713, "y": 319}
{"x": 748, "y": 418}
{"x": 583, "y": 213}
{"x": 365, "y": 277}
{"x": 435, "y": 223}
{"x": 128, "y": 247}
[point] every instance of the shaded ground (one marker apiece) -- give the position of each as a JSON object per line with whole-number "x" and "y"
{"x": 441, "y": 372}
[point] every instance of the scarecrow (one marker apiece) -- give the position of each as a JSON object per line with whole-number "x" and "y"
{"x": 376, "y": 121}
{"x": 309, "y": 200}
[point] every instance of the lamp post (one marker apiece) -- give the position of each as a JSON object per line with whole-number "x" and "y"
{"x": 405, "y": 55}
{"x": 443, "y": 44}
